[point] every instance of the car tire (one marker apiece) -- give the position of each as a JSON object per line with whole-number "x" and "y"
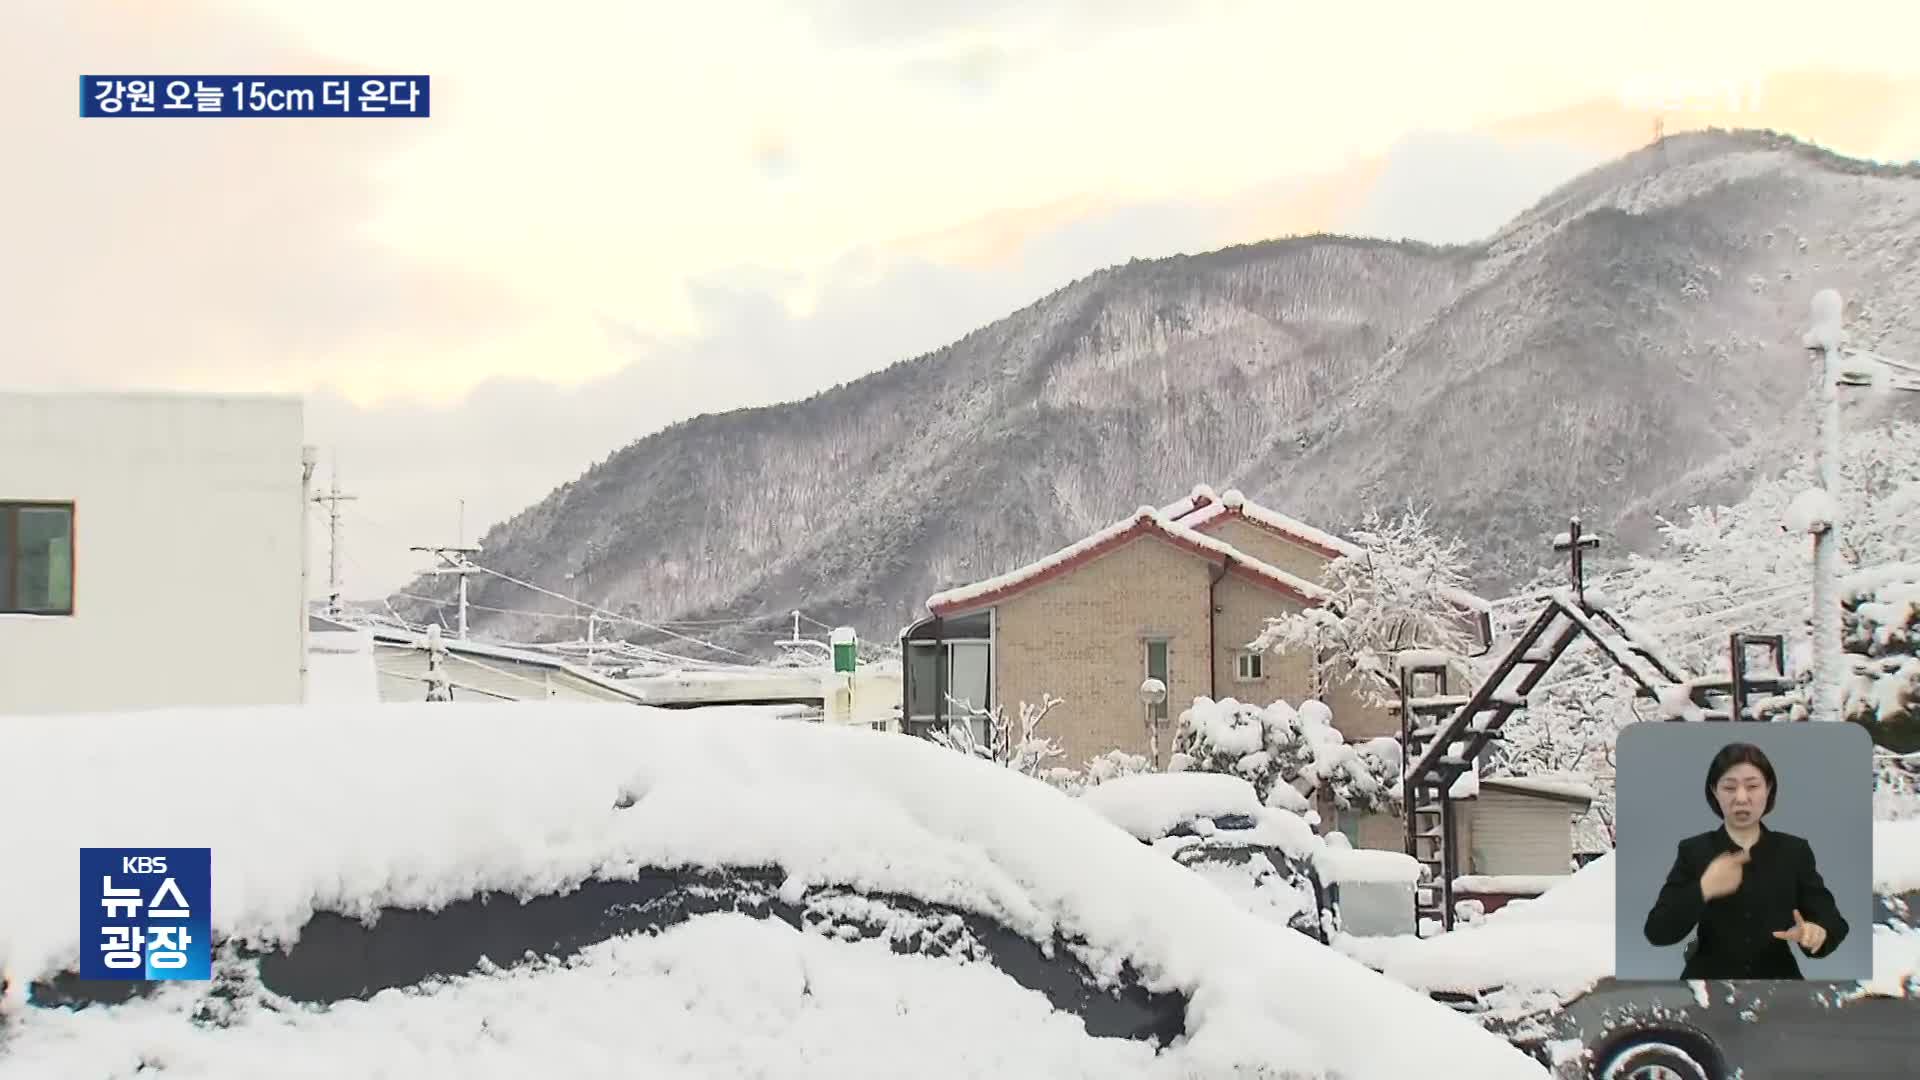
{"x": 1655, "y": 1058}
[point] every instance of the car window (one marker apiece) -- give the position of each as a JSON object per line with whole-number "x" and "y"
{"x": 338, "y": 957}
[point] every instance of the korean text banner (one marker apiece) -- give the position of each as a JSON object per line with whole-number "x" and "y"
{"x": 122, "y": 96}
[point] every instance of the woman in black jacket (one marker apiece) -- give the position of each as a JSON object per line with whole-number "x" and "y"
{"x": 1752, "y": 892}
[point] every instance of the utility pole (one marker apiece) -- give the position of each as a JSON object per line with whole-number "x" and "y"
{"x": 332, "y": 501}
{"x": 1834, "y": 370}
{"x": 1824, "y": 339}
{"x": 453, "y": 560}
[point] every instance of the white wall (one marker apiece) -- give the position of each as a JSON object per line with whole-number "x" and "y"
{"x": 188, "y": 535}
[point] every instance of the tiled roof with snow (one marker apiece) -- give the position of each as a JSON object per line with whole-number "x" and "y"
{"x": 1145, "y": 521}
{"x": 1200, "y": 496}
{"x": 1233, "y": 504}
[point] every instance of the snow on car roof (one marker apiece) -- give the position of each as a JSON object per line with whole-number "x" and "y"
{"x": 351, "y": 809}
{"x": 1148, "y": 805}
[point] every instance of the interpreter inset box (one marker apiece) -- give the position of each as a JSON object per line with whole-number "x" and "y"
{"x": 1743, "y": 851}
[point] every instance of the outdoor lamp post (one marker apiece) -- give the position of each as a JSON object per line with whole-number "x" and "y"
{"x": 1152, "y": 693}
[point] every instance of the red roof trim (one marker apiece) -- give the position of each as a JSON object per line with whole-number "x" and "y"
{"x": 1239, "y": 514}
{"x": 1143, "y": 526}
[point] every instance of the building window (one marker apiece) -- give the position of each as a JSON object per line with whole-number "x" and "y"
{"x": 1250, "y": 667}
{"x": 36, "y": 558}
{"x": 947, "y": 679}
{"x": 1157, "y": 669}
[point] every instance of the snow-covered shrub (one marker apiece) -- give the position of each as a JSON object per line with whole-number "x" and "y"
{"x": 1280, "y": 749}
{"x": 1880, "y": 625}
{"x": 1401, "y": 590}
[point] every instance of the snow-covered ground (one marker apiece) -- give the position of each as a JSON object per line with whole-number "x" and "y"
{"x": 351, "y": 809}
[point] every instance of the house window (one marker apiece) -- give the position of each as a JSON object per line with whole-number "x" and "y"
{"x": 36, "y": 558}
{"x": 1157, "y": 669}
{"x": 947, "y": 679}
{"x": 1250, "y": 667}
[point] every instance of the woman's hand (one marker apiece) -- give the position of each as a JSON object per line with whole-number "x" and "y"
{"x": 1809, "y": 936}
{"x": 1723, "y": 875}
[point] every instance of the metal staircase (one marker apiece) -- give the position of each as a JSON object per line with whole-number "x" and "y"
{"x": 1445, "y": 735}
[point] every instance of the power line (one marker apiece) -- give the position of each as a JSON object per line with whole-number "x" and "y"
{"x": 609, "y": 614}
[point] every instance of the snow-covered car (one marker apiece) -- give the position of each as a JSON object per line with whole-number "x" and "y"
{"x": 1267, "y": 859}
{"x": 1540, "y": 973}
{"x": 410, "y": 890}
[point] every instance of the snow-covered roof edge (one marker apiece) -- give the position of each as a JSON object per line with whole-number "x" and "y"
{"x": 1146, "y": 520}
{"x": 1558, "y": 788}
{"x": 1235, "y": 504}
{"x": 502, "y": 652}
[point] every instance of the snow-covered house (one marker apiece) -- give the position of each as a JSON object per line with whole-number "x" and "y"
{"x": 152, "y": 550}
{"x": 1177, "y": 594}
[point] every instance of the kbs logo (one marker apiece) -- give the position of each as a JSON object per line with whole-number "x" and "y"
{"x": 144, "y": 913}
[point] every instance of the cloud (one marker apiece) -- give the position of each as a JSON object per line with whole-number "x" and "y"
{"x": 198, "y": 252}
{"x": 1459, "y": 188}
{"x": 511, "y": 441}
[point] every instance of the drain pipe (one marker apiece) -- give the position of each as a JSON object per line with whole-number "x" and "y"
{"x": 1213, "y": 610}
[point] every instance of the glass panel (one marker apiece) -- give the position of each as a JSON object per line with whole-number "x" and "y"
{"x": 43, "y": 578}
{"x": 923, "y": 673}
{"x": 969, "y": 675}
{"x": 1157, "y": 669}
{"x": 6, "y": 558}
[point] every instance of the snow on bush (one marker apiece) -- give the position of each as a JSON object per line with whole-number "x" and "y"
{"x": 1280, "y": 746}
{"x": 1813, "y": 511}
{"x": 1403, "y": 588}
{"x": 350, "y": 810}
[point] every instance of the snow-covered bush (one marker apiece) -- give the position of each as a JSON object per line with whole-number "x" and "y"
{"x": 1289, "y": 755}
{"x": 1880, "y": 624}
{"x": 1401, "y": 590}
{"x": 1099, "y": 769}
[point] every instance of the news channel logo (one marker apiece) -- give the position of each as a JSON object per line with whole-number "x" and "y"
{"x": 284, "y": 96}
{"x": 144, "y": 914}
{"x": 1691, "y": 92}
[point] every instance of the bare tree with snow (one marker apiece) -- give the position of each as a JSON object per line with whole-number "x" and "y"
{"x": 991, "y": 734}
{"x": 1401, "y": 591}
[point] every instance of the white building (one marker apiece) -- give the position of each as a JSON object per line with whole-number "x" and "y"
{"x": 152, "y": 551}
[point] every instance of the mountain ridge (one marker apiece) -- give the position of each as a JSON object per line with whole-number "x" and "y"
{"x": 1321, "y": 374}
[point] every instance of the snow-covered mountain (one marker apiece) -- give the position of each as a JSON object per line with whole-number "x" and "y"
{"x": 1631, "y": 344}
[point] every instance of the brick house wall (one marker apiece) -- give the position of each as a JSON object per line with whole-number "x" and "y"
{"x": 1243, "y": 610}
{"x": 1082, "y": 638}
